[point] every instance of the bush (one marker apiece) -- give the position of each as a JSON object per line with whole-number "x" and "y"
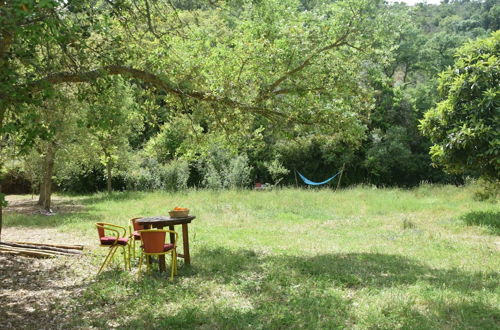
{"x": 175, "y": 175}
{"x": 220, "y": 170}
{"x": 152, "y": 175}
{"x": 276, "y": 170}
{"x": 238, "y": 172}
{"x": 487, "y": 219}
{"x": 487, "y": 190}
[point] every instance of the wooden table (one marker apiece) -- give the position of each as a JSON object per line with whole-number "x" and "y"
{"x": 163, "y": 221}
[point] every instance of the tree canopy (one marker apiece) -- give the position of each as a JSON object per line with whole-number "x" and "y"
{"x": 212, "y": 90}
{"x": 465, "y": 125}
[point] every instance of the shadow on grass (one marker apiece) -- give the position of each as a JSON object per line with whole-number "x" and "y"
{"x": 488, "y": 219}
{"x": 349, "y": 270}
{"x": 115, "y": 197}
{"x": 244, "y": 289}
{"x": 31, "y": 291}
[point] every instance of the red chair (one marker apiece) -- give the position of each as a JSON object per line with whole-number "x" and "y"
{"x": 153, "y": 244}
{"x": 113, "y": 242}
{"x": 134, "y": 233}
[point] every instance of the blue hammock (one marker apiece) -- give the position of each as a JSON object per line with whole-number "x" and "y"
{"x": 312, "y": 183}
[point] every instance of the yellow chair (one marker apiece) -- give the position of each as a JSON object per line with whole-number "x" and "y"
{"x": 153, "y": 244}
{"x": 113, "y": 242}
{"x": 134, "y": 233}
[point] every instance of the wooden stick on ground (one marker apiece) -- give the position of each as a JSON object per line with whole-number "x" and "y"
{"x": 39, "y": 247}
{"x": 15, "y": 248}
{"x": 27, "y": 253}
{"x": 63, "y": 246}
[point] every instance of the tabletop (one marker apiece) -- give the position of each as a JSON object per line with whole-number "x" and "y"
{"x": 165, "y": 220}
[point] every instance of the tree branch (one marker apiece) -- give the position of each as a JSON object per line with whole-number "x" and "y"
{"x": 269, "y": 91}
{"x": 152, "y": 79}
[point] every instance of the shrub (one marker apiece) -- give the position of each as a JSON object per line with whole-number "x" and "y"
{"x": 174, "y": 175}
{"x": 151, "y": 175}
{"x": 238, "y": 172}
{"x": 276, "y": 170}
{"x": 220, "y": 169}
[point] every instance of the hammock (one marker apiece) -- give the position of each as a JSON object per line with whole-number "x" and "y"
{"x": 312, "y": 183}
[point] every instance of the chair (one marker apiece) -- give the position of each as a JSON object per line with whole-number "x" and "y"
{"x": 153, "y": 244}
{"x": 113, "y": 242}
{"x": 134, "y": 233}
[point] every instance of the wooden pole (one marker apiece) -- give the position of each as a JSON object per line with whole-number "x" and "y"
{"x": 63, "y": 246}
{"x": 340, "y": 178}
{"x": 40, "y": 247}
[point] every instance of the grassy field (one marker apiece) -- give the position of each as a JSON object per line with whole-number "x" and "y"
{"x": 359, "y": 258}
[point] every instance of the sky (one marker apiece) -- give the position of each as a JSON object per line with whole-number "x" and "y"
{"x": 412, "y": 2}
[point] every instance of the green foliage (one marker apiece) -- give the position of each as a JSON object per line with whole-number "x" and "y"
{"x": 315, "y": 84}
{"x": 238, "y": 172}
{"x": 488, "y": 219}
{"x": 174, "y": 139}
{"x": 221, "y": 169}
{"x": 487, "y": 190}
{"x": 465, "y": 125}
{"x": 390, "y": 154}
{"x": 276, "y": 170}
{"x": 151, "y": 175}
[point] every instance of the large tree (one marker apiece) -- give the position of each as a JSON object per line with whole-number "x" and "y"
{"x": 238, "y": 59}
{"x": 465, "y": 125}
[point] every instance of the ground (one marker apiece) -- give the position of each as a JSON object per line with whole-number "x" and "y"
{"x": 361, "y": 258}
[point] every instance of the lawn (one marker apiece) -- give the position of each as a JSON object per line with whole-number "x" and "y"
{"x": 361, "y": 258}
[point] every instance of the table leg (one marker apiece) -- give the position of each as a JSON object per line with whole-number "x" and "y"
{"x": 185, "y": 243}
{"x": 172, "y": 235}
{"x": 149, "y": 261}
{"x": 161, "y": 262}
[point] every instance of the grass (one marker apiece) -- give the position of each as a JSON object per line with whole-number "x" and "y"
{"x": 359, "y": 258}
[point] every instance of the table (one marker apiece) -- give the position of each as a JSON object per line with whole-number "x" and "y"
{"x": 163, "y": 221}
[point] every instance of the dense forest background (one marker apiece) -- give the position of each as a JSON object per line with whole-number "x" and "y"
{"x": 117, "y": 134}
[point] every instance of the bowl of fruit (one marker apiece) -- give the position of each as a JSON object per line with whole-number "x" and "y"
{"x": 179, "y": 212}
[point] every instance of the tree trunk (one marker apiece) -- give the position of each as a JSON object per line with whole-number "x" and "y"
{"x": 42, "y": 195}
{"x": 108, "y": 168}
{"x": 1, "y": 212}
{"x": 46, "y": 185}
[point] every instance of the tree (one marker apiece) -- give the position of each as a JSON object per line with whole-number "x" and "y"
{"x": 240, "y": 59}
{"x": 465, "y": 126}
{"x": 111, "y": 118}
{"x": 57, "y": 114}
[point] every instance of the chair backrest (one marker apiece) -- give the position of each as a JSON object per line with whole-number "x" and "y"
{"x": 153, "y": 240}
{"x": 100, "y": 229}
{"x": 135, "y": 225}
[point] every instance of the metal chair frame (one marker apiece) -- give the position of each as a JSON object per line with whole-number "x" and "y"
{"x": 114, "y": 246}
{"x": 132, "y": 229}
{"x": 173, "y": 252}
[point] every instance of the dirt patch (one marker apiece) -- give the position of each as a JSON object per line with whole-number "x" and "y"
{"x": 28, "y": 205}
{"x": 37, "y": 293}
{"x": 45, "y": 235}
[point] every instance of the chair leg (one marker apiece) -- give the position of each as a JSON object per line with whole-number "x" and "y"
{"x": 125, "y": 261}
{"x": 172, "y": 266}
{"x": 133, "y": 246}
{"x": 108, "y": 258}
{"x": 140, "y": 264}
{"x": 176, "y": 262}
{"x": 148, "y": 263}
{"x": 129, "y": 257}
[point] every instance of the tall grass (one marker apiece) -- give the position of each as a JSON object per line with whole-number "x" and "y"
{"x": 356, "y": 258}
